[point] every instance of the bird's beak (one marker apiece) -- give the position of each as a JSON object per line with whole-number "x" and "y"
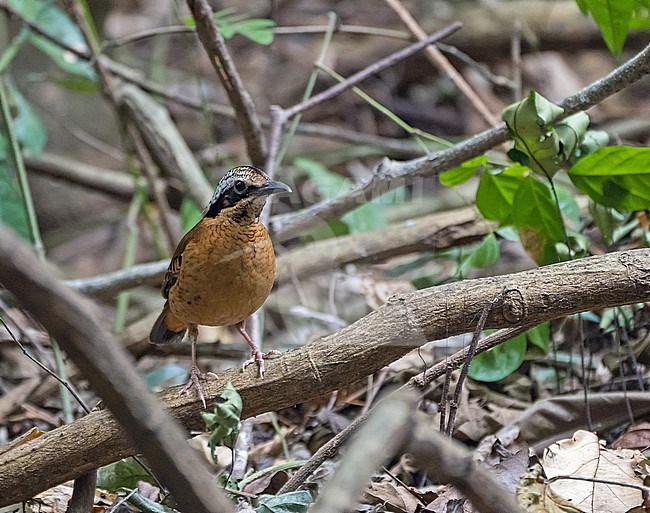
{"x": 273, "y": 187}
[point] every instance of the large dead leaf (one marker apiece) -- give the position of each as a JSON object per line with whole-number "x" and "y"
{"x": 585, "y": 456}
{"x": 393, "y": 497}
{"x": 636, "y": 436}
{"x": 535, "y": 496}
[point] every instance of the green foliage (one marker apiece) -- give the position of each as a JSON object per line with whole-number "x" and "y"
{"x": 122, "y": 474}
{"x": 496, "y": 192}
{"x": 615, "y": 176}
{"x": 292, "y": 502}
{"x": 538, "y": 144}
{"x": 462, "y": 173}
{"x": 504, "y": 359}
{"x": 258, "y": 30}
{"x": 535, "y": 208}
{"x": 486, "y": 254}
{"x": 329, "y": 185}
{"x": 614, "y": 18}
{"x": 223, "y": 421}
{"x": 49, "y": 18}
{"x": 30, "y": 136}
{"x": 190, "y": 214}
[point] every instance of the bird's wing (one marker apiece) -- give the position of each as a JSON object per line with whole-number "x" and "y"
{"x": 175, "y": 265}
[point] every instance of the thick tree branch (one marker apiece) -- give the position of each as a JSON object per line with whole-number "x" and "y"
{"x": 391, "y": 174}
{"x": 76, "y": 324}
{"x": 238, "y": 95}
{"x": 432, "y": 232}
{"x": 403, "y": 323}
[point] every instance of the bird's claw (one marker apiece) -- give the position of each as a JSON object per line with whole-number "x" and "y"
{"x": 195, "y": 381}
{"x": 258, "y": 357}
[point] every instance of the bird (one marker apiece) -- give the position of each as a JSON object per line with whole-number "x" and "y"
{"x": 223, "y": 269}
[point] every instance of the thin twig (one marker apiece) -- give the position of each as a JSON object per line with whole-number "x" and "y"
{"x": 286, "y": 30}
{"x": 644, "y": 489}
{"x": 439, "y": 60}
{"x": 390, "y": 174}
{"x": 471, "y": 351}
{"x": 223, "y": 64}
{"x": 373, "y": 69}
{"x": 53, "y": 374}
{"x": 330, "y": 449}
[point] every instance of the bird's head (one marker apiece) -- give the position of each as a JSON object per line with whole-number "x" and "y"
{"x": 242, "y": 192}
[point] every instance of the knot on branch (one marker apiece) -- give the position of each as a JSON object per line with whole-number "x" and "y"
{"x": 513, "y": 307}
{"x": 638, "y": 270}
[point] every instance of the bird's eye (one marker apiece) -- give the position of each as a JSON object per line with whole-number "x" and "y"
{"x": 240, "y": 187}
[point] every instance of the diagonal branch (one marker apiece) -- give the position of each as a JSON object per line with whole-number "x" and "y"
{"x": 433, "y": 232}
{"x": 238, "y": 95}
{"x": 391, "y": 174}
{"x": 403, "y": 323}
{"x": 77, "y": 325}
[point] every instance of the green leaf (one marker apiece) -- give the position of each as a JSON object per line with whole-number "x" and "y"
{"x": 496, "y": 192}
{"x": 190, "y": 214}
{"x": 486, "y": 254}
{"x": 77, "y": 84}
{"x": 568, "y": 206}
{"x": 292, "y": 502}
{"x": 500, "y": 361}
{"x": 571, "y": 131}
{"x": 122, "y": 474}
{"x": 641, "y": 16}
{"x": 29, "y": 129}
{"x": 462, "y": 173}
{"x": 539, "y": 336}
{"x": 258, "y": 30}
{"x": 223, "y": 421}
{"x": 364, "y": 218}
{"x": 537, "y": 144}
{"x": 12, "y": 208}
{"x": 613, "y": 18}
{"x": 534, "y": 208}
{"x": 593, "y": 140}
{"x": 615, "y": 176}
{"x": 49, "y": 18}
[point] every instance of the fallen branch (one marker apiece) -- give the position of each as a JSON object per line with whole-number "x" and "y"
{"x": 75, "y": 323}
{"x": 391, "y": 174}
{"x": 403, "y": 323}
{"x": 433, "y": 232}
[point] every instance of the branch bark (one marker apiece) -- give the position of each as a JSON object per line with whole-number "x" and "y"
{"x": 432, "y": 232}
{"x": 76, "y": 324}
{"x": 391, "y": 174}
{"x": 239, "y": 97}
{"x": 403, "y": 323}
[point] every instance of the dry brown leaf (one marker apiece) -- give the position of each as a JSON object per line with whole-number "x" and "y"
{"x": 55, "y": 500}
{"x": 535, "y": 496}
{"x": 584, "y": 455}
{"x": 637, "y": 436}
{"x": 395, "y": 498}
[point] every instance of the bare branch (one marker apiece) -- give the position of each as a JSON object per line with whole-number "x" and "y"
{"x": 439, "y": 60}
{"x": 238, "y": 95}
{"x": 403, "y": 323}
{"x": 373, "y": 69}
{"x": 390, "y": 174}
{"x": 432, "y": 232}
{"x": 75, "y": 323}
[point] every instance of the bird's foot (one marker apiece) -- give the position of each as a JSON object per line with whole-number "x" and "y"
{"x": 258, "y": 357}
{"x": 195, "y": 381}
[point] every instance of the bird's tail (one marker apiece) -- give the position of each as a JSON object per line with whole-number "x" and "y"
{"x": 168, "y": 328}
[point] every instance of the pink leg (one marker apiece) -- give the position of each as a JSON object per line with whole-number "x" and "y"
{"x": 195, "y": 374}
{"x": 256, "y": 354}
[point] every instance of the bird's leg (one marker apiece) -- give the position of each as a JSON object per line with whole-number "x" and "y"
{"x": 256, "y": 355}
{"x": 195, "y": 374}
